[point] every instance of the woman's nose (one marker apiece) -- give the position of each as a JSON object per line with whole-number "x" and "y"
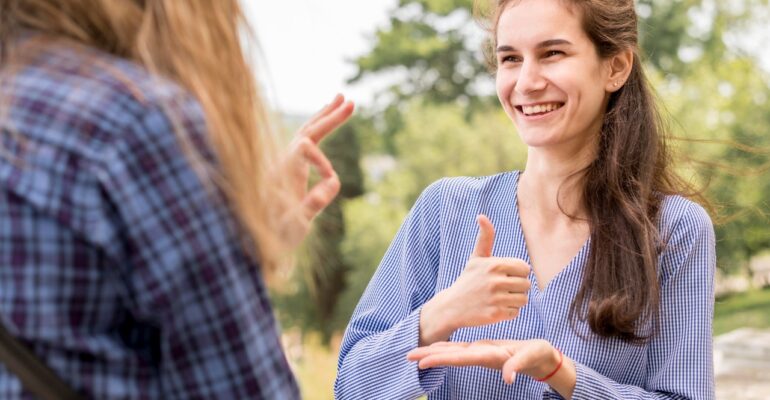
{"x": 530, "y": 78}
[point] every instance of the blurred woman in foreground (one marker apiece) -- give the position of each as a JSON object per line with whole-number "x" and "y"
{"x": 143, "y": 199}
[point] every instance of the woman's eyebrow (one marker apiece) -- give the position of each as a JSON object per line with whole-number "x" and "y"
{"x": 545, "y": 43}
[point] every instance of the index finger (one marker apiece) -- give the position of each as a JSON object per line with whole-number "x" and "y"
{"x": 510, "y": 266}
{"x": 324, "y": 125}
{"x": 435, "y": 348}
{"x": 453, "y": 359}
{"x": 338, "y": 99}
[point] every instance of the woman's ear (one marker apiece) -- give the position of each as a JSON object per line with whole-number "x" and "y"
{"x": 620, "y": 66}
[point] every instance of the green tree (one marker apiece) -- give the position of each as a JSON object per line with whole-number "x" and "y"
{"x": 721, "y": 114}
{"x": 690, "y": 48}
{"x": 433, "y": 47}
{"x": 431, "y": 41}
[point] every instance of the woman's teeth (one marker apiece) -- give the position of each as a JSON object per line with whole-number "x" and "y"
{"x": 540, "y": 108}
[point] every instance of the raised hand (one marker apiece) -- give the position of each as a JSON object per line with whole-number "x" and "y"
{"x": 489, "y": 290}
{"x": 304, "y": 153}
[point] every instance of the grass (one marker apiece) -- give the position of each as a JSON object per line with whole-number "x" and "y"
{"x": 750, "y": 309}
{"x": 316, "y": 369}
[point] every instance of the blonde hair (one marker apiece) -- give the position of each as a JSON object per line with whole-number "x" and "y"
{"x": 198, "y": 44}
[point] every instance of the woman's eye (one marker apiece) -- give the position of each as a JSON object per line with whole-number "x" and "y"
{"x": 552, "y": 53}
{"x": 508, "y": 59}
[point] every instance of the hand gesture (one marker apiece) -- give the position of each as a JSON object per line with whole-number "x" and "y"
{"x": 536, "y": 358}
{"x": 489, "y": 290}
{"x": 304, "y": 153}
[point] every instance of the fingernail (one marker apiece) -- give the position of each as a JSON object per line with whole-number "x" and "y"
{"x": 513, "y": 377}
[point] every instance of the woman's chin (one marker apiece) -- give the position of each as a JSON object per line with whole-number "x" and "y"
{"x": 540, "y": 141}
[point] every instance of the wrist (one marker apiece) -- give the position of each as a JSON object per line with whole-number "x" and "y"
{"x": 552, "y": 366}
{"x": 435, "y": 321}
{"x": 565, "y": 379}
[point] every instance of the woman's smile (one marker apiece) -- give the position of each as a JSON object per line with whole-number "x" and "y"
{"x": 538, "y": 111}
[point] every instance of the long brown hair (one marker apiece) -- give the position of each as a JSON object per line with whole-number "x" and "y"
{"x": 623, "y": 187}
{"x": 198, "y": 44}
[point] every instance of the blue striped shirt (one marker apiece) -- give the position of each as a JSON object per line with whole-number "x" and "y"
{"x": 430, "y": 251}
{"x": 118, "y": 267}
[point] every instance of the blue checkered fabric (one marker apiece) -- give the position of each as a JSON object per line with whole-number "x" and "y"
{"x": 430, "y": 251}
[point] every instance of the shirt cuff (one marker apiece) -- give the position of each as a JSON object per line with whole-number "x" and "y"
{"x": 590, "y": 384}
{"x": 430, "y": 379}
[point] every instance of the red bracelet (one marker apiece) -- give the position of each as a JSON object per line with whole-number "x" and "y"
{"x": 561, "y": 360}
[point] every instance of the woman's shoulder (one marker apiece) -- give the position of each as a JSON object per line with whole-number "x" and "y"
{"x": 677, "y": 210}
{"x": 466, "y": 196}
{"x": 685, "y": 227}
{"x": 108, "y": 106}
{"x": 460, "y": 188}
{"x": 92, "y": 86}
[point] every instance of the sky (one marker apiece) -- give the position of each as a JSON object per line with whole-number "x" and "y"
{"x": 305, "y": 45}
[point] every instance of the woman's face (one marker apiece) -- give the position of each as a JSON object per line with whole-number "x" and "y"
{"x": 550, "y": 79}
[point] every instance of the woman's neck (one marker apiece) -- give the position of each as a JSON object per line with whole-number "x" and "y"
{"x": 551, "y": 184}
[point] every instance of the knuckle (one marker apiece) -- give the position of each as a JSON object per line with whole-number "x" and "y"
{"x": 489, "y": 268}
{"x": 491, "y": 286}
{"x": 473, "y": 264}
{"x": 493, "y": 267}
{"x": 304, "y": 143}
{"x": 497, "y": 313}
{"x": 496, "y": 285}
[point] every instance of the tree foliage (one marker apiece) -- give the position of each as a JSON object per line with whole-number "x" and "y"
{"x": 440, "y": 118}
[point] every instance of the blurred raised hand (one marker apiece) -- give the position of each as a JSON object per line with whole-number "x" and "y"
{"x": 304, "y": 153}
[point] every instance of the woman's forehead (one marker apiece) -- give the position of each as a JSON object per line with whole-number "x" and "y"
{"x": 528, "y": 22}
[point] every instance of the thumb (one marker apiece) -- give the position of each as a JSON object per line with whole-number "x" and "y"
{"x": 509, "y": 370}
{"x": 486, "y": 238}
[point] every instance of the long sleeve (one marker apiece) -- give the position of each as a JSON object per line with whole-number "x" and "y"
{"x": 187, "y": 272}
{"x": 680, "y": 364}
{"x": 385, "y": 324}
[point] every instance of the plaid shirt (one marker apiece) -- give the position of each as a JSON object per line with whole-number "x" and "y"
{"x": 118, "y": 267}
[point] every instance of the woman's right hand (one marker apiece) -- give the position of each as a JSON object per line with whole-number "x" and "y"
{"x": 304, "y": 153}
{"x": 489, "y": 290}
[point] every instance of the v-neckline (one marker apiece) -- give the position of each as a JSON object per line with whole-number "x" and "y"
{"x": 520, "y": 231}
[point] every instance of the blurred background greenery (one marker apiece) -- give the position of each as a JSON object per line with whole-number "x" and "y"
{"x": 439, "y": 117}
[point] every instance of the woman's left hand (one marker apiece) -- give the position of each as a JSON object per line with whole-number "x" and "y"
{"x": 536, "y": 358}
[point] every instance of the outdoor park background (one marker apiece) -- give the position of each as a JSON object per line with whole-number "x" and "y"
{"x": 432, "y": 112}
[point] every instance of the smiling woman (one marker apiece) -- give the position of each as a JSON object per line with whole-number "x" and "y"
{"x": 591, "y": 275}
